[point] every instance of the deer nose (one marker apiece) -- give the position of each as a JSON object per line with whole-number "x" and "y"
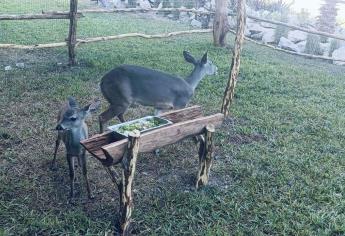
{"x": 59, "y": 127}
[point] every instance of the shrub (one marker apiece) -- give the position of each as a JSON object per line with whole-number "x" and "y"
{"x": 313, "y": 45}
{"x": 281, "y": 31}
{"x": 270, "y": 5}
{"x": 335, "y": 44}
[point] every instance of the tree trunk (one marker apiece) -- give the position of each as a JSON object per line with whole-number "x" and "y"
{"x": 235, "y": 64}
{"x": 220, "y": 24}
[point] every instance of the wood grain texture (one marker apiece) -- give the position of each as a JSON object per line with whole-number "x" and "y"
{"x": 129, "y": 162}
{"x": 206, "y": 153}
{"x": 155, "y": 139}
{"x": 72, "y": 36}
{"x": 236, "y": 59}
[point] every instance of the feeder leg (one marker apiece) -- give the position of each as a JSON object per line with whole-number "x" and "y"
{"x": 206, "y": 150}
{"x": 116, "y": 180}
{"x": 128, "y": 165}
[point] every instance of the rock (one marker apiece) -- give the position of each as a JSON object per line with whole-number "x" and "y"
{"x": 119, "y": 4}
{"x": 268, "y": 36}
{"x": 255, "y": 28}
{"x": 20, "y": 65}
{"x": 285, "y": 43}
{"x": 195, "y": 23}
{"x": 339, "y": 54}
{"x": 7, "y": 68}
{"x": 247, "y": 32}
{"x": 232, "y": 22}
{"x": 257, "y": 36}
{"x": 301, "y": 46}
{"x": 171, "y": 16}
{"x": 145, "y": 4}
{"x": 268, "y": 25}
{"x": 297, "y": 36}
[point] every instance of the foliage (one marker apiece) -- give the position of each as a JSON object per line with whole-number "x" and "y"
{"x": 281, "y": 31}
{"x": 313, "y": 45}
{"x": 270, "y": 5}
{"x": 303, "y": 17}
{"x": 328, "y": 16}
{"x": 335, "y": 44}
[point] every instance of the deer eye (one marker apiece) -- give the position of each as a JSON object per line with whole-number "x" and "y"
{"x": 73, "y": 118}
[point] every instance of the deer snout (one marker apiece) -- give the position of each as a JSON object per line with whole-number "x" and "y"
{"x": 59, "y": 127}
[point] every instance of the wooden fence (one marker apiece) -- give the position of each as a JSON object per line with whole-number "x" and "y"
{"x": 73, "y": 14}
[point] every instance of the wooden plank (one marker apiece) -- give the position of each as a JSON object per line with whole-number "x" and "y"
{"x": 161, "y": 137}
{"x": 94, "y": 143}
{"x": 185, "y": 114}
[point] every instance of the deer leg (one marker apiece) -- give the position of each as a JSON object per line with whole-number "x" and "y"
{"x": 121, "y": 118}
{"x": 84, "y": 169}
{"x": 70, "y": 160}
{"x": 57, "y": 144}
{"x": 112, "y": 111}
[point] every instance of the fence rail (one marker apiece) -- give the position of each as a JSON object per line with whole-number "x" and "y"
{"x": 73, "y": 42}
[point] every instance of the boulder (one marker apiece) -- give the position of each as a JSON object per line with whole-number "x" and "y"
{"x": 257, "y": 36}
{"x": 287, "y": 44}
{"x": 339, "y": 54}
{"x": 195, "y": 23}
{"x": 255, "y": 28}
{"x": 145, "y": 4}
{"x": 119, "y": 4}
{"x": 297, "y": 36}
{"x": 268, "y": 25}
{"x": 268, "y": 36}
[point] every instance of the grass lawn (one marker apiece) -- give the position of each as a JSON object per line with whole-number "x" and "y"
{"x": 279, "y": 166}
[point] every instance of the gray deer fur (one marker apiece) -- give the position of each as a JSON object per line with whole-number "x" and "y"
{"x": 129, "y": 84}
{"x": 72, "y": 129}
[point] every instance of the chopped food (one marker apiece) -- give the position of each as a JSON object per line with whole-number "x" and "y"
{"x": 139, "y": 125}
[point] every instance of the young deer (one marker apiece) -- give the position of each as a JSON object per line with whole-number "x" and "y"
{"x": 128, "y": 84}
{"x": 72, "y": 129}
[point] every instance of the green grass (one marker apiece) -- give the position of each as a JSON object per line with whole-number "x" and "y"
{"x": 279, "y": 167}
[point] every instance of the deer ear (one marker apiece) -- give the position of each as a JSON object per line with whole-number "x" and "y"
{"x": 204, "y": 58}
{"x": 92, "y": 107}
{"x": 189, "y": 58}
{"x": 72, "y": 102}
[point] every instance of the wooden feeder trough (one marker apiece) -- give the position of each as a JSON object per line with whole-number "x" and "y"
{"x": 112, "y": 149}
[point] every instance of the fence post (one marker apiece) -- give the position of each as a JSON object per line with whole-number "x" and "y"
{"x": 72, "y": 37}
{"x": 235, "y": 64}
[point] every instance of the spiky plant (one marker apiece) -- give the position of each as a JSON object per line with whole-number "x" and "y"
{"x": 328, "y": 14}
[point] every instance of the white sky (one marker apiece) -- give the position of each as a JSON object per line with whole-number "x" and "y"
{"x": 313, "y": 7}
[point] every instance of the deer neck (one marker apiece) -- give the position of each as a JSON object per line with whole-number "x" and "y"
{"x": 195, "y": 77}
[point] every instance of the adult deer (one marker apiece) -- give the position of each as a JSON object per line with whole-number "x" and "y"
{"x": 72, "y": 129}
{"x": 128, "y": 84}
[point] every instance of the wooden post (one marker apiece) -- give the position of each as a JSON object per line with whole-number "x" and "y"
{"x": 235, "y": 64}
{"x": 220, "y": 23}
{"x": 72, "y": 37}
{"x": 206, "y": 152}
{"x": 128, "y": 164}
